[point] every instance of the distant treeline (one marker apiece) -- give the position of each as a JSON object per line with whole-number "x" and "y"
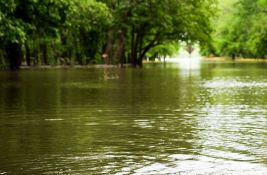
{"x": 68, "y": 32}
{"x": 240, "y": 30}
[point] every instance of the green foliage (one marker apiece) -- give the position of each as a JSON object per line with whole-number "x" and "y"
{"x": 164, "y": 50}
{"x": 241, "y": 29}
{"x": 81, "y": 31}
{"x": 89, "y": 23}
{"x": 11, "y": 28}
{"x": 143, "y": 25}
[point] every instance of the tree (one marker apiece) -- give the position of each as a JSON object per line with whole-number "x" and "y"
{"x": 87, "y": 33}
{"x": 23, "y": 19}
{"x": 142, "y": 25}
{"x": 241, "y": 29}
{"x": 11, "y": 32}
{"x": 80, "y": 31}
{"x": 164, "y": 50}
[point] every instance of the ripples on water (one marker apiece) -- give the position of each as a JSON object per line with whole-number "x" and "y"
{"x": 158, "y": 120}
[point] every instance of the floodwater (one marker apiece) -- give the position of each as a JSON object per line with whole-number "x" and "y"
{"x": 161, "y": 119}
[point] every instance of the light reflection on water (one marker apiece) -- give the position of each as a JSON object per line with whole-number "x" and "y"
{"x": 222, "y": 84}
{"x": 157, "y": 120}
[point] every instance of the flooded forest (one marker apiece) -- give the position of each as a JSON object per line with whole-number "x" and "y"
{"x": 142, "y": 87}
{"x": 82, "y": 32}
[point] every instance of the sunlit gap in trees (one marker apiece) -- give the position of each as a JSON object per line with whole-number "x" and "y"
{"x": 185, "y": 59}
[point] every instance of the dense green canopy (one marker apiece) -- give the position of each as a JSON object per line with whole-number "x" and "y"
{"x": 241, "y": 29}
{"x": 51, "y": 32}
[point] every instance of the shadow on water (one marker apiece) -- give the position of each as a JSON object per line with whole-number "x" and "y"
{"x": 157, "y": 120}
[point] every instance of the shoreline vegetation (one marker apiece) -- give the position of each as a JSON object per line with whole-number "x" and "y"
{"x": 237, "y": 59}
{"x": 85, "y": 32}
{"x": 45, "y": 32}
{"x": 108, "y": 66}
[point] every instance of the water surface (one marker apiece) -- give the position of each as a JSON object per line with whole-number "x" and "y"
{"x": 161, "y": 119}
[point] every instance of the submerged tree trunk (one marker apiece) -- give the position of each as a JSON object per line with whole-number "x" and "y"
{"x": 233, "y": 56}
{"x": 28, "y": 55}
{"x": 44, "y": 53}
{"x": 14, "y": 55}
{"x": 36, "y": 56}
{"x": 119, "y": 54}
{"x": 140, "y": 47}
{"x": 108, "y": 50}
{"x": 63, "y": 38}
{"x": 138, "y": 50}
{"x": 133, "y": 48}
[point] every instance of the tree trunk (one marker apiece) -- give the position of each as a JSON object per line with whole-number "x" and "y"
{"x": 28, "y": 55}
{"x": 140, "y": 47}
{"x": 133, "y": 48}
{"x": 119, "y": 54}
{"x": 63, "y": 39}
{"x": 145, "y": 49}
{"x": 44, "y": 53}
{"x": 36, "y": 56}
{"x": 14, "y": 54}
{"x": 107, "y": 53}
{"x": 233, "y": 56}
{"x": 140, "y": 62}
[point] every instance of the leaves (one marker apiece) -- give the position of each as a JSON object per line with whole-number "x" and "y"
{"x": 241, "y": 28}
{"x": 82, "y": 30}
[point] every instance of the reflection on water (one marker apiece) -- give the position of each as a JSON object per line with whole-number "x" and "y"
{"x": 183, "y": 164}
{"x": 244, "y": 83}
{"x": 155, "y": 120}
{"x": 189, "y": 63}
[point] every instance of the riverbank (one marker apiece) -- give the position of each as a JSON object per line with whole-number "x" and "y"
{"x": 238, "y": 59}
{"x": 103, "y": 66}
{"x": 69, "y": 66}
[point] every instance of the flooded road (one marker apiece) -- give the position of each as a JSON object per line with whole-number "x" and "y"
{"x": 161, "y": 119}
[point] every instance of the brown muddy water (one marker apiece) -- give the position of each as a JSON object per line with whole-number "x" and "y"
{"x": 161, "y": 119}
